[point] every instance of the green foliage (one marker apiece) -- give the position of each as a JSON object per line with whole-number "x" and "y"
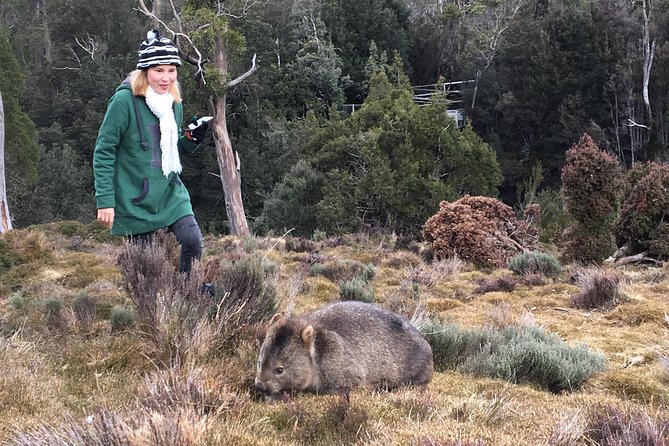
{"x": 343, "y": 270}
{"x": 17, "y": 300}
{"x": 535, "y": 262}
{"x": 553, "y": 219}
{"x": 591, "y": 181}
{"x": 356, "y": 289}
{"x": 84, "y": 309}
{"x": 292, "y": 203}
{"x": 21, "y": 152}
{"x": 385, "y": 164}
{"x": 641, "y": 224}
{"x": 121, "y": 319}
{"x": 515, "y": 354}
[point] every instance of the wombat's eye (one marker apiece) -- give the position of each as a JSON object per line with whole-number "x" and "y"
{"x": 279, "y": 370}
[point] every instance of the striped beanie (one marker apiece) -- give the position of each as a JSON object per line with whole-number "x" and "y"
{"x": 156, "y": 50}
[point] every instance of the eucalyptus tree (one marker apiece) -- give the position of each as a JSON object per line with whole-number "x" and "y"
{"x": 202, "y": 30}
{"x": 5, "y": 219}
{"x": 21, "y": 153}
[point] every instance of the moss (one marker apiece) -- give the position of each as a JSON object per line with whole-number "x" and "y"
{"x": 631, "y": 383}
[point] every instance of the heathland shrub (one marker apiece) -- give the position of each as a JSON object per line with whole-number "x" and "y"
{"x": 610, "y": 426}
{"x": 84, "y": 310}
{"x": 506, "y": 284}
{"x": 167, "y": 426}
{"x": 356, "y": 289}
{"x": 343, "y": 270}
{"x": 591, "y": 181}
{"x": 121, "y": 318}
{"x": 534, "y": 262}
{"x": 642, "y": 222}
{"x": 599, "y": 289}
{"x": 482, "y": 230}
{"x": 526, "y": 354}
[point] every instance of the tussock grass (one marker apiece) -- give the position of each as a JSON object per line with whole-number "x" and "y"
{"x": 600, "y": 288}
{"x": 194, "y": 380}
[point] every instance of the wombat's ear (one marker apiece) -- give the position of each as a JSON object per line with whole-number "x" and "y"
{"x": 276, "y": 318}
{"x": 307, "y": 334}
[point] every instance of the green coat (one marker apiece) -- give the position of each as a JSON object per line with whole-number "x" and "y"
{"x": 129, "y": 177}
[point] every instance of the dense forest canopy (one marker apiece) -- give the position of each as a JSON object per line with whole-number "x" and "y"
{"x": 541, "y": 73}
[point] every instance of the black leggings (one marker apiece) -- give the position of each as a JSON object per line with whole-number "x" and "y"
{"x": 188, "y": 234}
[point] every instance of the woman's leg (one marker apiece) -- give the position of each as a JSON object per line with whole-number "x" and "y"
{"x": 188, "y": 234}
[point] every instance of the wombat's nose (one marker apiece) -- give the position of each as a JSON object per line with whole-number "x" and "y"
{"x": 259, "y": 385}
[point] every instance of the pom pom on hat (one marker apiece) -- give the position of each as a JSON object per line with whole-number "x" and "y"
{"x": 156, "y": 50}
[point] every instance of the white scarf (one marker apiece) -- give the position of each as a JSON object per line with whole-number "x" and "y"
{"x": 161, "y": 106}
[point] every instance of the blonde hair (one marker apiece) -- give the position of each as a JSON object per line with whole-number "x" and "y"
{"x": 139, "y": 82}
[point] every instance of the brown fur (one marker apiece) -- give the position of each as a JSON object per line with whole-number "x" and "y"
{"x": 344, "y": 345}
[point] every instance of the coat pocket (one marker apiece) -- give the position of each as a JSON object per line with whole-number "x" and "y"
{"x": 154, "y": 196}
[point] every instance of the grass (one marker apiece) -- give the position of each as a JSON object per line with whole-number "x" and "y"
{"x": 93, "y": 364}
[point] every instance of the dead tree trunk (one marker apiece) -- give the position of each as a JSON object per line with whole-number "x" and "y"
{"x": 229, "y": 166}
{"x": 5, "y": 220}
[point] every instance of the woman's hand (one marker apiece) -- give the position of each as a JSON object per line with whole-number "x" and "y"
{"x": 106, "y": 216}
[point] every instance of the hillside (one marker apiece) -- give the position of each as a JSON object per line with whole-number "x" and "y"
{"x": 76, "y": 367}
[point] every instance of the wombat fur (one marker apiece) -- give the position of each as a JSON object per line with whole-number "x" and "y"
{"x": 342, "y": 346}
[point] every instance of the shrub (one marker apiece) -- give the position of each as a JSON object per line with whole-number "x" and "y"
{"x": 534, "y": 262}
{"x": 599, "y": 289}
{"x": 482, "y": 230}
{"x": 84, "y": 310}
{"x": 641, "y": 223}
{"x": 610, "y": 426}
{"x": 176, "y": 388}
{"x": 121, "y": 319}
{"x": 168, "y": 426}
{"x": 356, "y": 289}
{"x": 506, "y": 284}
{"x": 516, "y": 354}
{"x": 299, "y": 244}
{"x": 292, "y": 202}
{"x": 342, "y": 270}
{"x": 17, "y": 300}
{"x": 553, "y": 219}
{"x": 591, "y": 180}
{"x": 244, "y": 296}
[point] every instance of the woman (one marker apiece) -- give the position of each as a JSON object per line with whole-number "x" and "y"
{"x": 136, "y": 159}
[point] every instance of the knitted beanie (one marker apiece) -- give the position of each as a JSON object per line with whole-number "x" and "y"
{"x": 156, "y": 50}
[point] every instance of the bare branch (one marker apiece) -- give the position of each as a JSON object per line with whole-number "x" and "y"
{"x": 241, "y": 78}
{"x": 90, "y": 47}
{"x": 199, "y": 61}
{"x": 248, "y": 4}
{"x": 635, "y": 124}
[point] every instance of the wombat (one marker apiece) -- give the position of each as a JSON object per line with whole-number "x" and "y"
{"x": 342, "y": 346}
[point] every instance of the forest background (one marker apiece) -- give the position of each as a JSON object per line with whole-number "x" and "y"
{"x": 542, "y": 73}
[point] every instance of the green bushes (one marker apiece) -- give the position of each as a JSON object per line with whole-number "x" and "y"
{"x": 642, "y": 223}
{"x": 121, "y": 318}
{"x": 591, "y": 180}
{"x": 515, "y": 354}
{"x": 534, "y": 262}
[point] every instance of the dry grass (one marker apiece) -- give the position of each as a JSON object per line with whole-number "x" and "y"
{"x": 53, "y": 380}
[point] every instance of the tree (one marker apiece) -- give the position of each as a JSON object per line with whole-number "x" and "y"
{"x": 5, "y": 220}
{"x": 21, "y": 152}
{"x": 207, "y": 42}
{"x": 388, "y": 165}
